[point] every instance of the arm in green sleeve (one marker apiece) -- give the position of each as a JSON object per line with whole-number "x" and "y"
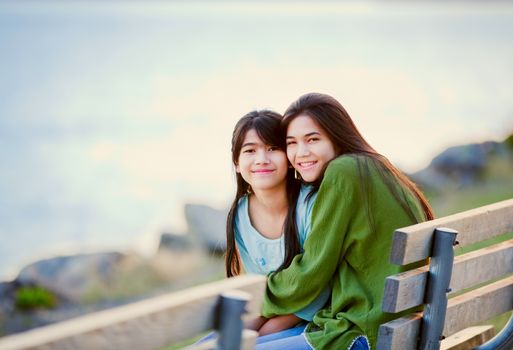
{"x": 309, "y": 273}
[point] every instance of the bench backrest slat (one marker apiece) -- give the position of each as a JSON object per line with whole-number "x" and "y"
{"x": 469, "y": 338}
{"x": 406, "y": 290}
{"x": 401, "y": 333}
{"x": 479, "y": 305}
{"x": 413, "y": 243}
{"x": 148, "y": 324}
{"x": 462, "y": 311}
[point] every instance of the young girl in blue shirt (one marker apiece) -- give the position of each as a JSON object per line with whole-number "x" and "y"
{"x": 269, "y": 218}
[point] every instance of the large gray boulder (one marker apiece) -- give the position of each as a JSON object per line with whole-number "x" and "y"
{"x": 460, "y": 165}
{"x": 175, "y": 242}
{"x": 207, "y": 225}
{"x": 7, "y": 292}
{"x": 70, "y": 276}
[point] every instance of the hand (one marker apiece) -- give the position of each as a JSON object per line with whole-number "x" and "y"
{"x": 256, "y": 323}
{"x": 279, "y": 323}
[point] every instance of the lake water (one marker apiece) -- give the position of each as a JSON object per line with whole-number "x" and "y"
{"x": 114, "y": 114}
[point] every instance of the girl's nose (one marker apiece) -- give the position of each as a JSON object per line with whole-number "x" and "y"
{"x": 261, "y": 158}
{"x": 302, "y": 150}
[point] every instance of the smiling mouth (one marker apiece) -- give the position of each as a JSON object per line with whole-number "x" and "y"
{"x": 307, "y": 165}
{"x": 262, "y": 171}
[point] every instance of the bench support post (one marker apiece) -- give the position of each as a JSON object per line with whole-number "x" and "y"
{"x": 440, "y": 272}
{"x": 229, "y": 323}
{"x": 502, "y": 341}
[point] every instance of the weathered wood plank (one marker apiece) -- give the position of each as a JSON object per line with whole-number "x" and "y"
{"x": 249, "y": 338}
{"x": 406, "y": 290}
{"x": 478, "y": 305}
{"x": 401, "y": 333}
{"x": 469, "y": 338}
{"x": 463, "y": 311}
{"x": 483, "y": 265}
{"x": 413, "y": 243}
{"x": 148, "y": 324}
{"x": 247, "y": 343}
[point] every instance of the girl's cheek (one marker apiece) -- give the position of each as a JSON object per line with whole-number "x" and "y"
{"x": 290, "y": 156}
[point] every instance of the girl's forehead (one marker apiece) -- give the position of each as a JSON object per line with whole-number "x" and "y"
{"x": 302, "y": 124}
{"x": 252, "y": 138}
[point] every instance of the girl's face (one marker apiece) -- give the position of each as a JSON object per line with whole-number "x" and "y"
{"x": 308, "y": 147}
{"x": 262, "y": 166}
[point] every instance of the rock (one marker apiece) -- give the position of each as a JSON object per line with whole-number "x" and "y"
{"x": 7, "y": 292}
{"x": 21, "y": 321}
{"x": 13, "y": 319}
{"x": 207, "y": 225}
{"x": 174, "y": 242}
{"x": 70, "y": 276}
{"x": 461, "y": 165}
{"x": 465, "y": 158}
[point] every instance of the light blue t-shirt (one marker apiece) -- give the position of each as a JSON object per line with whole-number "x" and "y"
{"x": 261, "y": 255}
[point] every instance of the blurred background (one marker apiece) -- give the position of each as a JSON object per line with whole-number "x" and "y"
{"x": 116, "y": 119}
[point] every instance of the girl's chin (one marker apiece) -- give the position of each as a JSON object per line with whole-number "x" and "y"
{"x": 308, "y": 177}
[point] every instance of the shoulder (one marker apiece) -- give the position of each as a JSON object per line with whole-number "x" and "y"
{"x": 344, "y": 168}
{"x": 242, "y": 204}
{"x": 305, "y": 202}
{"x": 241, "y": 217}
{"x": 304, "y": 194}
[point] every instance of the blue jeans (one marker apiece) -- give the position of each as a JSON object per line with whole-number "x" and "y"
{"x": 294, "y": 339}
{"x": 289, "y": 339}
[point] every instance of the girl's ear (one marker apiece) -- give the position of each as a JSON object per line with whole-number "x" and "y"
{"x": 237, "y": 168}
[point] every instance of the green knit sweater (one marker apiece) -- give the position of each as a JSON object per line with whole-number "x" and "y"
{"x": 344, "y": 251}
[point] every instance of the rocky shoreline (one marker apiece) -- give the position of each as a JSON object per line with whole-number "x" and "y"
{"x": 86, "y": 282}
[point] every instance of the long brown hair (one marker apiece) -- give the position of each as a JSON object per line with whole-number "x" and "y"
{"x": 267, "y": 125}
{"x": 332, "y": 117}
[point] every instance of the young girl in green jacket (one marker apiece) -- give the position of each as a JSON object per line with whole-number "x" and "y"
{"x": 361, "y": 199}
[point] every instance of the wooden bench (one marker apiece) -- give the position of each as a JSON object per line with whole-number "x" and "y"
{"x": 157, "y": 322}
{"x": 456, "y": 292}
